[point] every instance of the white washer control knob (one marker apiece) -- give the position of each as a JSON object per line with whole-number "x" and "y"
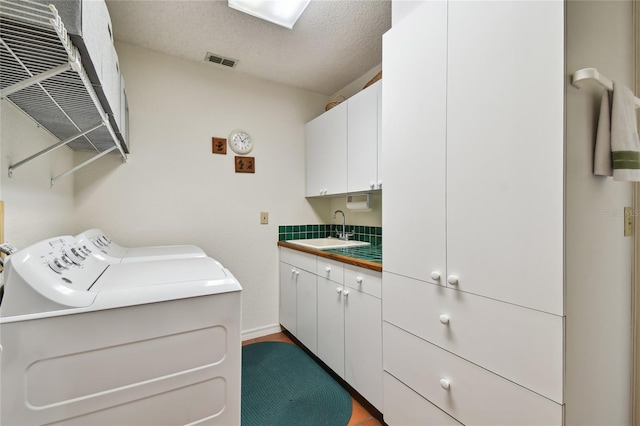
{"x": 66, "y": 259}
{"x": 435, "y": 275}
{"x": 445, "y": 384}
{"x": 76, "y": 253}
{"x": 452, "y": 279}
{"x": 57, "y": 266}
{"x": 444, "y": 319}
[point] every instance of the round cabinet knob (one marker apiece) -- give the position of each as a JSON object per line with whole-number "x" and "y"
{"x": 293, "y": 271}
{"x": 338, "y": 290}
{"x": 444, "y": 319}
{"x": 345, "y": 293}
{"x": 359, "y": 280}
{"x": 328, "y": 269}
{"x": 372, "y": 185}
{"x": 297, "y": 273}
{"x": 445, "y": 384}
{"x": 452, "y": 279}
{"x": 435, "y": 275}
{"x": 379, "y": 184}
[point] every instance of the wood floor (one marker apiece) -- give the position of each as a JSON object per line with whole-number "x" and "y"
{"x": 359, "y": 417}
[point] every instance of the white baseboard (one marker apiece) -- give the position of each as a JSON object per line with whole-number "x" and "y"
{"x": 260, "y": 331}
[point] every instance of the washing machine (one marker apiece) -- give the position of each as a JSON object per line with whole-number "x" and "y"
{"x": 88, "y": 342}
{"x": 103, "y": 248}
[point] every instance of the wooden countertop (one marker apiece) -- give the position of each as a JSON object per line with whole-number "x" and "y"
{"x": 337, "y": 257}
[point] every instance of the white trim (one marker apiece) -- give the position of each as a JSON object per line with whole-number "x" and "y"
{"x": 635, "y": 326}
{"x": 254, "y": 333}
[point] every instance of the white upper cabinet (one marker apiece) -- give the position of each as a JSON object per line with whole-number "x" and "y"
{"x": 362, "y": 139}
{"x": 414, "y": 126}
{"x": 343, "y": 146}
{"x": 505, "y": 151}
{"x": 326, "y": 152}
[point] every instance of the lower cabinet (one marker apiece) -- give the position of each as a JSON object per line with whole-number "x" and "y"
{"x": 363, "y": 344}
{"x": 403, "y": 406}
{"x": 347, "y": 304}
{"x": 466, "y": 391}
{"x": 298, "y": 301}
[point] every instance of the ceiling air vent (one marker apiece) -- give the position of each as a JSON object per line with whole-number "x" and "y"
{"x": 219, "y": 59}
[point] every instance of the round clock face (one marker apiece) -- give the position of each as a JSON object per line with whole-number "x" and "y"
{"x": 240, "y": 142}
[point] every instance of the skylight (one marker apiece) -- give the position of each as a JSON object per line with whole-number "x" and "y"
{"x": 281, "y": 12}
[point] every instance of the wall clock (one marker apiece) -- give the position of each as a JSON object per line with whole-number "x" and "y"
{"x": 240, "y": 142}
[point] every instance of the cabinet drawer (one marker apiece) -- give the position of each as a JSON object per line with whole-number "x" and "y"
{"x": 364, "y": 280}
{"x": 330, "y": 269}
{"x": 404, "y": 407}
{"x": 474, "y": 395}
{"x": 520, "y": 344}
{"x": 298, "y": 259}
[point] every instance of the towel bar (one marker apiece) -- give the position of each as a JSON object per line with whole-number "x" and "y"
{"x": 585, "y": 74}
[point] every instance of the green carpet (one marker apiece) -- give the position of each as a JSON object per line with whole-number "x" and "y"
{"x": 283, "y": 386}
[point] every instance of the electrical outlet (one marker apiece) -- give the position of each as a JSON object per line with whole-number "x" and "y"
{"x": 628, "y": 222}
{"x": 264, "y": 218}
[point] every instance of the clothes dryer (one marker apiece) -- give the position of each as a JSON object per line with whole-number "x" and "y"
{"x": 84, "y": 341}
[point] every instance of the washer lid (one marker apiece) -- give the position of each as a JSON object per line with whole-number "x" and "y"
{"x": 152, "y": 273}
{"x": 138, "y": 254}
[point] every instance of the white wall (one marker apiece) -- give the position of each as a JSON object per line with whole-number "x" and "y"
{"x": 598, "y": 257}
{"x": 33, "y": 209}
{"x": 174, "y": 190}
{"x": 358, "y": 84}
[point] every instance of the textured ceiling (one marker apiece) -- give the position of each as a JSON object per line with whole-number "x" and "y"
{"x": 332, "y": 44}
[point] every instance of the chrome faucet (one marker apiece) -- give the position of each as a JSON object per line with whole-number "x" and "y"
{"x": 343, "y": 235}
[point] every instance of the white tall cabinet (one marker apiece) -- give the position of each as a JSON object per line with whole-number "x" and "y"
{"x": 475, "y": 279}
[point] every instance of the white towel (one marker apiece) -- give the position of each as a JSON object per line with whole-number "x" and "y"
{"x": 617, "y": 144}
{"x": 602, "y": 163}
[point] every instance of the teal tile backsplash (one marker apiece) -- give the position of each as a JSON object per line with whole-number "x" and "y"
{"x": 369, "y": 234}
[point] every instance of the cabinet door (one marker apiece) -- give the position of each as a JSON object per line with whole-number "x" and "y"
{"x": 363, "y": 344}
{"x": 379, "y": 147}
{"x": 465, "y": 391}
{"x": 306, "y": 310}
{"x": 288, "y": 300}
{"x": 505, "y": 151}
{"x": 414, "y": 136}
{"x": 403, "y": 406}
{"x": 326, "y": 152}
{"x": 362, "y": 139}
{"x": 331, "y": 325}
